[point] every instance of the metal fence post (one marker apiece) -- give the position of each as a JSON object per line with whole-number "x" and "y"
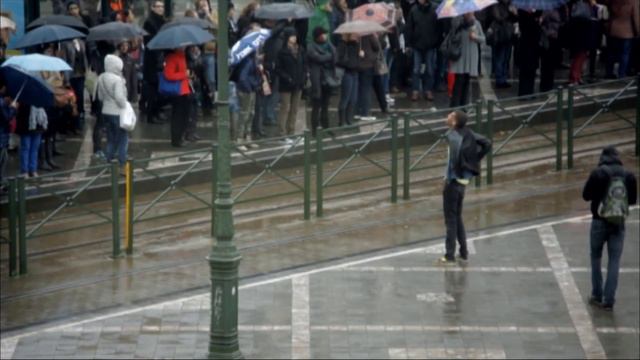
{"x": 214, "y": 186}
{"x": 319, "y": 135}
{"x": 307, "y": 174}
{"x": 406, "y": 158}
{"x": 13, "y": 226}
{"x": 559, "y": 108}
{"x": 489, "y": 134}
{"x": 22, "y": 226}
{"x": 394, "y": 159}
{"x": 570, "y": 128}
{"x": 638, "y": 115}
{"x": 479, "y": 130}
{"x": 129, "y": 206}
{"x": 115, "y": 208}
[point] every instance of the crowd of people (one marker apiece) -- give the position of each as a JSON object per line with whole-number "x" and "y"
{"x": 305, "y": 59}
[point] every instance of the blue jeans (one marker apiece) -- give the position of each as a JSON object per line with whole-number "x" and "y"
{"x": 29, "y": 145}
{"x": 117, "y": 139}
{"x": 348, "y": 95}
{"x": 365, "y": 84}
{"x": 499, "y": 60}
{"x": 613, "y": 235}
{"x": 268, "y": 108}
{"x": 389, "y": 58}
{"x": 426, "y": 78}
{"x": 619, "y": 52}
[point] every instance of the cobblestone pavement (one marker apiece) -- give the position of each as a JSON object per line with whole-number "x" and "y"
{"x": 522, "y": 295}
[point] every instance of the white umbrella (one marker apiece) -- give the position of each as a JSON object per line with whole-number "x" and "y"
{"x": 360, "y": 27}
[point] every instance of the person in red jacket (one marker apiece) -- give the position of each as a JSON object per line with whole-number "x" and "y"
{"x": 175, "y": 69}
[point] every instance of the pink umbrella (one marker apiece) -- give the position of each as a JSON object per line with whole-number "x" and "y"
{"x": 381, "y": 13}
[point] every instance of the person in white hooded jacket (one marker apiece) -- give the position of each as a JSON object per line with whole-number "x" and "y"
{"x": 112, "y": 91}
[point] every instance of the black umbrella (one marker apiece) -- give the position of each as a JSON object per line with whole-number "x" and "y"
{"x": 47, "y": 34}
{"x": 63, "y": 20}
{"x": 179, "y": 36}
{"x": 281, "y": 11}
{"x": 203, "y": 24}
{"x": 115, "y": 31}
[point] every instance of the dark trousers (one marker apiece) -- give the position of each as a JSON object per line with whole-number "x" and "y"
{"x": 460, "y": 94}
{"x": 98, "y": 131}
{"x": 500, "y": 62}
{"x": 77, "y": 83}
{"x": 527, "y": 78}
{"x": 452, "y": 198}
{"x": 378, "y": 89}
{"x": 612, "y": 235}
{"x": 320, "y": 110}
{"x": 192, "y": 124}
{"x": 180, "y": 114}
{"x": 365, "y": 83}
{"x": 152, "y": 99}
{"x": 548, "y": 62}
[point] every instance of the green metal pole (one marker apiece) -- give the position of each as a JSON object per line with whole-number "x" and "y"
{"x": 129, "y": 203}
{"x": 319, "y": 170}
{"x": 224, "y": 258}
{"x": 638, "y": 115}
{"x": 394, "y": 159}
{"x": 559, "y": 108}
{"x": 489, "y": 134}
{"x": 406, "y": 159}
{"x": 13, "y": 225}
{"x": 307, "y": 174}
{"x": 479, "y": 130}
{"x": 115, "y": 209}
{"x": 214, "y": 186}
{"x": 22, "y": 226}
{"x": 570, "y": 128}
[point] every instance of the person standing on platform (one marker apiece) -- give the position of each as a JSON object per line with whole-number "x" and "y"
{"x": 152, "y": 64}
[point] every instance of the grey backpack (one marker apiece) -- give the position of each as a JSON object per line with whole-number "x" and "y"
{"x": 614, "y": 207}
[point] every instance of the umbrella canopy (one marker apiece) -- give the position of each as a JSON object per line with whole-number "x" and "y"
{"x": 115, "y": 31}
{"x": 64, "y": 20}
{"x": 6, "y": 23}
{"x": 453, "y": 8}
{"x": 37, "y": 62}
{"x": 281, "y": 11}
{"x": 360, "y": 27}
{"x": 538, "y": 4}
{"x": 47, "y": 34}
{"x": 197, "y": 22}
{"x": 179, "y": 36}
{"x": 248, "y": 44}
{"x": 381, "y": 13}
{"x": 27, "y": 88}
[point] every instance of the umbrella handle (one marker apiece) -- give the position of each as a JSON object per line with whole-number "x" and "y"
{"x": 20, "y": 91}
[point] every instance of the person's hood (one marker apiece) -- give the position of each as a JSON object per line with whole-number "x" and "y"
{"x": 610, "y": 156}
{"x": 113, "y": 64}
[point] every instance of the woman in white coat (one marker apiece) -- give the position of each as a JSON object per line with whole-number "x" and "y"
{"x": 112, "y": 91}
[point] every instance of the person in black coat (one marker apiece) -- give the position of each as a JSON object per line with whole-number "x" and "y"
{"x": 290, "y": 68}
{"x": 423, "y": 34}
{"x": 152, "y": 63}
{"x": 528, "y": 50}
{"x": 321, "y": 56}
{"x": 604, "y": 232}
{"x": 349, "y": 57}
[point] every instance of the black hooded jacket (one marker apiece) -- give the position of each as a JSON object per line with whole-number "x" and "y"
{"x": 596, "y": 187}
{"x": 423, "y": 30}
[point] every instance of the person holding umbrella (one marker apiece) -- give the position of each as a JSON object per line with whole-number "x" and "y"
{"x": 175, "y": 69}
{"x": 467, "y": 65}
{"x": 349, "y": 55}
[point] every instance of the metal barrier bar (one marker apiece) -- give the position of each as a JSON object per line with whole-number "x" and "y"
{"x": 603, "y": 106}
{"x": 479, "y": 130}
{"x": 406, "y": 159}
{"x": 115, "y": 209}
{"x": 559, "y": 106}
{"x": 489, "y": 134}
{"x": 22, "y": 227}
{"x": 307, "y": 174}
{"x": 394, "y": 159}
{"x": 214, "y": 186}
{"x": 570, "y": 128}
{"x": 129, "y": 207}
{"x": 13, "y": 225}
{"x": 319, "y": 170}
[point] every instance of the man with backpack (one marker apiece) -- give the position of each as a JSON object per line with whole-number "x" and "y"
{"x": 611, "y": 189}
{"x": 466, "y": 150}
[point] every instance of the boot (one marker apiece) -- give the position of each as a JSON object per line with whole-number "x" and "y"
{"x": 48, "y": 154}
{"x": 42, "y": 164}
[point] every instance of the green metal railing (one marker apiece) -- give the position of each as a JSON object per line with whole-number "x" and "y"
{"x": 604, "y": 102}
{"x": 387, "y": 127}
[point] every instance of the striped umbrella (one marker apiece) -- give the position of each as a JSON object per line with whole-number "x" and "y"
{"x": 453, "y": 8}
{"x": 537, "y": 4}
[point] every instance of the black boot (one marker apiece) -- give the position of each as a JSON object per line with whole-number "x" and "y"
{"x": 48, "y": 153}
{"x": 42, "y": 164}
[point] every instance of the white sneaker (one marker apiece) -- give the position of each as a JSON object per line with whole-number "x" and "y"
{"x": 251, "y": 144}
{"x": 288, "y": 141}
{"x": 241, "y": 148}
{"x": 368, "y": 118}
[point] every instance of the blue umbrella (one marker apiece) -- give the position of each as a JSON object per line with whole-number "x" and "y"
{"x": 179, "y": 36}
{"x": 453, "y": 8}
{"x": 26, "y": 87}
{"x": 47, "y": 34}
{"x": 38, "y": 62}
{"x": 248, "y": 44}
{"x": 538, "y": 4}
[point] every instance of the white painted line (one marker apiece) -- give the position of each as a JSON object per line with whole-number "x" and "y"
{"x": 438, "y": 298}
{"x": 84, "y": 155}
{"x": 293, "y": 275}
{"x": 481, "y": 269}
{"x": 300, "y": 335}
{"x": 577, "y": 309}
{"x": 446, "y": 353}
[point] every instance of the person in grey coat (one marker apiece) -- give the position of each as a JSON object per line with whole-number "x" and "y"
{"x": 322, "y": 58}
{"x": 112, "y": 91}
{"x": 467, "y": 65}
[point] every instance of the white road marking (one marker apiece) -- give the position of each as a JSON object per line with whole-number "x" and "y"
{"x": 446, "y": 353}
{"x": 577, "y": 309}
{"x": 438, "y": 298}
{"x": 481, "y": 269}
{"x": 84, "y": 156}
{"x": 300, "y": 334}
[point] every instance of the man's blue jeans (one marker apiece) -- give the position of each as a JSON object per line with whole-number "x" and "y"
{"x": 29, "y": 145}
{"x": 612, "y": 235}
{"x": 619, "y": 52}
{"x": 348, "y": 96}
{"x": 117, "y": 139}
{"x": 426, "y": 78}
{"x": 500, "y": 58}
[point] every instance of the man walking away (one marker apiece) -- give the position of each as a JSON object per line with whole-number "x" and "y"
{"x": 611, "y": 189}
{"x": 466, "y": 150}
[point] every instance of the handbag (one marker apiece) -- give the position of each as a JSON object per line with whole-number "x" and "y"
{"x": 128, "y": 118}
{"x": 168, "y": 87}
{"x": 333, "y": 77}
{"x": 451, "y": 47}
{"x": 381, "y": 67}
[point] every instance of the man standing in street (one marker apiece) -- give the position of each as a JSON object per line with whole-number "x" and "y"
{"x": 466, "y": 150}
{"x": 152, "y": 63}
{"x": 611, "y": 189}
